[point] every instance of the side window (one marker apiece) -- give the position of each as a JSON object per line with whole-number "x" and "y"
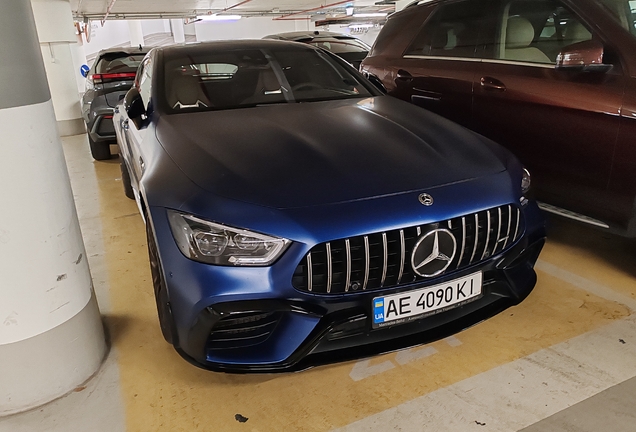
{"x": 536, "y": 31}
{"x": 452, "y": 31}
{"x": 145, "y": 82}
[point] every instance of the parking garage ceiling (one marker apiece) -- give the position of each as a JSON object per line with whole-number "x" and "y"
{"x": 282, "y": 9}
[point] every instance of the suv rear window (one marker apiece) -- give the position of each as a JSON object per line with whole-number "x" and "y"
{"x": 340, "y": 45}
{"x": 119, "y": 63}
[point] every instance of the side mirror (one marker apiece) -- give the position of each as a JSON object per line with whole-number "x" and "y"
{"x": 586, "y": 56}
{"x": 377, "y": 82}
{"x": 134, "y": 107}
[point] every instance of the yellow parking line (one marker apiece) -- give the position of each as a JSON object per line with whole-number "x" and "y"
{"x": 163, "y": 392}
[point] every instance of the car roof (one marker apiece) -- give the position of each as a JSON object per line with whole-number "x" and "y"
{"x": 126, "y": 50}
{"x": 202, "y": 47}
{"x": 300, "y": 35}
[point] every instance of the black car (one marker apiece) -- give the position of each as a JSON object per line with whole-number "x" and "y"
{"x": 347, "y": 47}
{"x": 107, "y": 82}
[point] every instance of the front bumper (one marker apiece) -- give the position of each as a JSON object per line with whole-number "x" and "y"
{"x": 252, "y": 319}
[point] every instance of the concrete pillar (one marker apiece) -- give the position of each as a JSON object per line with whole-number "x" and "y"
{"x": 56, "y": 33}
{"x": 190, "y": 30}
{"x": 51, "y": 334}
{"x": 136, "y": 33}
{"x": 178, "y": 30}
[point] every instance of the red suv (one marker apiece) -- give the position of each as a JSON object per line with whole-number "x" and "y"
{"x": 554, "y": 81}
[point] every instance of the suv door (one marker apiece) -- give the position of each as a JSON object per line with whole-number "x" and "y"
{"x": 436, "y": 70}
{"x": 561, "y": 124}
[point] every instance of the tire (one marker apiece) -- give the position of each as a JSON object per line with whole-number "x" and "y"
{"x": 164, "y": 311}
{"x": 125, "y": 179}
{"x": 100, "y": 151}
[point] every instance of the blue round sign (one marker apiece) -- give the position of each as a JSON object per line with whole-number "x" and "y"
{"x": 84, "y": 70}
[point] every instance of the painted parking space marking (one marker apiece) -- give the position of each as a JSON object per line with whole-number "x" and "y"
{"x": 163, "y": 392}
{"x": 363, "y": 368}
{"x": 520, "y": 393}
{"x": 586, "y": 284}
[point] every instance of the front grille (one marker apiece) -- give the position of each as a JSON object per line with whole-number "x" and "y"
{"x": 383, "y": 260}
{"x": 242, "y": 330}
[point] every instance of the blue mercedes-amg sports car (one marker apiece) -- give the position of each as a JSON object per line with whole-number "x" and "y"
{"x": 297, "y": 216}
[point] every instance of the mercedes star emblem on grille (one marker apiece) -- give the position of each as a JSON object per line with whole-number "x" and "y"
{"x": 426, "y": 199}
{"x": 433, "y": 253}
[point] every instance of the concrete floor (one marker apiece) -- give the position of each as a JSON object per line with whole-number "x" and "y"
{"x": 563, "y": 360}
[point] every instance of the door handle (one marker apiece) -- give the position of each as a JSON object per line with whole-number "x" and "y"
{"x": 403, "y": 75}
{"x": 489, "y": 83}
{"x": 124, "y": 124}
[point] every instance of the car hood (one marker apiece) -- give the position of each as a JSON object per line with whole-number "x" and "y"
{"x": 318, "y": 153}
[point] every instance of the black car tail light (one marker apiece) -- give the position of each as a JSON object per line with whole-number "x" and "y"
{"x": 108, "y": 77}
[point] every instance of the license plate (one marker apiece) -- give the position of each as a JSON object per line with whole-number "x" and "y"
{"x": 410, "y": 305}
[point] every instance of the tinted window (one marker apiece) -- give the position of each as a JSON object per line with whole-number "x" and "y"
{"x": 536, "y": 31}
{"x": 119, "y": 63}
{"x": 452, "y": 31}
{"x": 248, "y": 77}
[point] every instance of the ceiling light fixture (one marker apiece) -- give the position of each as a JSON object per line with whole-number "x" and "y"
{"x": 371, "y": 15}
{"x": 219, "y": 17}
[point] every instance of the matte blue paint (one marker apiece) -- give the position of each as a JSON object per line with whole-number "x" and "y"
{"x": 312, "y": 173}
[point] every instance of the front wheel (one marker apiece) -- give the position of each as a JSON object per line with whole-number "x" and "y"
{"x": 99, "y": 150}
{"x": 161, "y": 294}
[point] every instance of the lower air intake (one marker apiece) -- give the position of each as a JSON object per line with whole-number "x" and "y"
{"x": 243, "y": 330}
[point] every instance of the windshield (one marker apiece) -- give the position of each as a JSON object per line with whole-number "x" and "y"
{"x": 624, "y": 11}
{"x": 238, "y": 78}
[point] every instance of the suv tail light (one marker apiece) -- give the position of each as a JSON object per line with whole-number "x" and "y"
{"x": 108, "y": 77}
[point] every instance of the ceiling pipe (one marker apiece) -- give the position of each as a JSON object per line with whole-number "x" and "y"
{"x": 236, "y": 5}
{"x": 108, "y": 9}
{"x": 284, "y": 17}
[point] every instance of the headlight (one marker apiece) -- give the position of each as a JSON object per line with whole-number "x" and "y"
{"x": 525, "y": 182}
{"x": 214, "y": 243}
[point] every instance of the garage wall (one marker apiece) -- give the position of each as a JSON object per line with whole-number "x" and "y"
{"x": 155, "y": 26}
{"x": 247, "y": 28}
{"x": 113, "y": 33}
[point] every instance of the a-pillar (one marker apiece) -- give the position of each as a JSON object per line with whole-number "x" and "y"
{"x": 51, "y": 334}
{"x": 58, "y": 43}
